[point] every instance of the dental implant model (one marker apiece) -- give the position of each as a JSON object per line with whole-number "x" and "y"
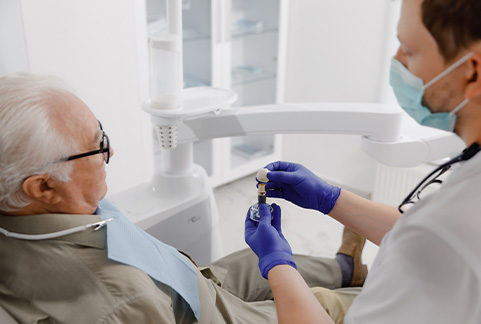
{"x": 261, "y": 199}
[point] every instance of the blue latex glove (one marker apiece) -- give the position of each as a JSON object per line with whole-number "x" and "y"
{"x": 266, "y": 240}
{"x": 299, "y": 185}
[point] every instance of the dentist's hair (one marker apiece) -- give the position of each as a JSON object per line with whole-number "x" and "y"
{"x": 29, "y": 144}
{"x": 454, "y": 24}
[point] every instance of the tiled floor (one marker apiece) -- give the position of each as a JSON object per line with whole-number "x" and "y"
{"x": 308, "y": 232}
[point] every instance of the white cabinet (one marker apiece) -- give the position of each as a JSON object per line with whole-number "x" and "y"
{"x": 236, "y": 44}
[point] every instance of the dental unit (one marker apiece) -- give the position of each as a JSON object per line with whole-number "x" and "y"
{"x": 177, "y": 206}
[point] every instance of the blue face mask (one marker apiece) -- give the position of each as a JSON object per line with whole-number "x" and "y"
{"x": 409, "y": 91}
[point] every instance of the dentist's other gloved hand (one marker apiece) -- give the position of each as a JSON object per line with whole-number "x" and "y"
{"x": 299, "y": 185}
{"x": 266, "y": 240}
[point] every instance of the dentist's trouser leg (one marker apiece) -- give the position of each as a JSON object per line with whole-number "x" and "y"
{"x": 242, "y": 278}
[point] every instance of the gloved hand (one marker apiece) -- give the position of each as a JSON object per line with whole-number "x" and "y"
{"x": 266, "y": 239}
{"x": 297, "y": 184}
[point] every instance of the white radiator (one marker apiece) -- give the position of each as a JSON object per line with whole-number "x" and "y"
{"x": 392, "y": 185}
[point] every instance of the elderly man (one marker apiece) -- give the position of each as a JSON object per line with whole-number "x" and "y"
{"x": 59, "y": 264}
{"x": 428, "y": 269}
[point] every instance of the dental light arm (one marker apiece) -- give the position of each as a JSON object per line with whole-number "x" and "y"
{"x": 415, "y": 145}
{"x": 380, "y": 122}
{"x": 388, "y": 134}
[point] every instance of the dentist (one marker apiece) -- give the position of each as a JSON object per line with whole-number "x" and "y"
{"x": 428, "y": 268}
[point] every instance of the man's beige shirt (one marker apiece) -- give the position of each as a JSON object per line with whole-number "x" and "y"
{"x": 71, "y": 280}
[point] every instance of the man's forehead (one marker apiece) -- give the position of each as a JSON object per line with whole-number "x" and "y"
{"x": 410, "y": 16}
{"x": 72, "y": 117}
{"x": 410, "y": 27}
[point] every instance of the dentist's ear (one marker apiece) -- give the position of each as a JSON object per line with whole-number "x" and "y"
{"x": 473, "y": 75}
{"x": 40, "y": 187}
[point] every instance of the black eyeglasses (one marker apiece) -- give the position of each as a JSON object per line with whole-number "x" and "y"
{"x": 433, "y": 180}
{"x": 104, "y": 149}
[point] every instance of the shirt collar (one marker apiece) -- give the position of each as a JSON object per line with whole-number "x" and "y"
{"x": 48, "y": 223}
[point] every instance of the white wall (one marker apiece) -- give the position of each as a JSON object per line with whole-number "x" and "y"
{"x": 13, "y": 54}
{"x": 98, "y": 47}
{"x": 338, "y": 51}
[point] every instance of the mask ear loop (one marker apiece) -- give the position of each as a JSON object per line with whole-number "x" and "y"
{"x": 459, "y": 107}
{"x": 448, "y": 70}
{"x": 465, "y": 101}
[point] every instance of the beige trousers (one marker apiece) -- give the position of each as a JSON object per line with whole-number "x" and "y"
{"x": 238, "y": 274}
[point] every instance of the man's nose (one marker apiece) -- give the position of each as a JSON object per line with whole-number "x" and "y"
{"x": 400, "y": 56}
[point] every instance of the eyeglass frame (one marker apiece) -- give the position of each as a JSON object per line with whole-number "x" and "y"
{"x": 103, "y": 148}
{"x": 464, "y": 156}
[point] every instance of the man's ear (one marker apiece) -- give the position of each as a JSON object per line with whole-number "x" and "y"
{"x": 41, "y": 188}
{"x": 473, "y": 89}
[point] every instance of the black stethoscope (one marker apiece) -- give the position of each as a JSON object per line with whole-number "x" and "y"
{"x": 433, "y": 177}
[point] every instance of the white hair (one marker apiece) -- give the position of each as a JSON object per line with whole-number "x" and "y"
{"x": 29, "y": 144}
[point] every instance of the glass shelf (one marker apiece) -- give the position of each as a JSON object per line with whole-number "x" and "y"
{"x": 252, "y": 79}
{"x": 192, "y": 82}
{"x": 250, "y": 152}
{"x": 159, "y": 27}
{"x": 241, "y": 34}
{"x": 246, "y": 73}
{"x": 191, "y": 35}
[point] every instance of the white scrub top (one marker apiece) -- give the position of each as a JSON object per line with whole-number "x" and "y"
{"x": 428, "y": 269}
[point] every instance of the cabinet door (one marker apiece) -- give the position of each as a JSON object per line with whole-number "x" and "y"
{"x": 255, "y": 71}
